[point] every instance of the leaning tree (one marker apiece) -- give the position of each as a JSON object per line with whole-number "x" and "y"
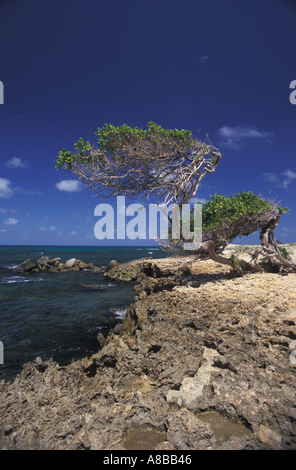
{"x": 167, "y": 166}
{"x": 164, "y": 165}
{"x": 226, "y": 218}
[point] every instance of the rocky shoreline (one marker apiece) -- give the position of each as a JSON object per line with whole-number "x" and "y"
{"x": 202, "y": 360}
{"x": 45, "y": 263}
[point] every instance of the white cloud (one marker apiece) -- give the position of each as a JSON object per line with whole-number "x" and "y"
{"x": 290, "y": 176}
{"x": 233, "y": 136}
{"x": 11, "y": 221}
{"x": 5, "y": 189}
{"x": 3, "y": 230}
{"x": 196, "y": 200}
{"x": 270, "y": 177}
{"x": 2, "y": 211}
{"x": 73, "y": 233}
{"x": 276, "y": 178}
{"x": 16, "y": 163}
{"x": 50, "y": 229}
{"x": 71, "y": 186}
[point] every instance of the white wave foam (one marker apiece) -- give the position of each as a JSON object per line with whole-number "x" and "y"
{"x": 9, "y": 267}
{"x": 118, "y": 312}
{"x": 15, "y": 279}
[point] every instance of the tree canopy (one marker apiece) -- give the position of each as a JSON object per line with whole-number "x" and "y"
{"x": 166, "y": 165}
{"x": 225, "y": 218}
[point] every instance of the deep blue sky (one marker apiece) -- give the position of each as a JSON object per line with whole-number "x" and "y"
{"x": 216, "y": 67}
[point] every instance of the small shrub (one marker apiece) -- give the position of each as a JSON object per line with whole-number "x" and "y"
{"x": 238, "y": 263}
{"x": 129, "y": 326}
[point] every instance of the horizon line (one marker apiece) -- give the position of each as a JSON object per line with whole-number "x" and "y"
{"x": 89, "y": 246}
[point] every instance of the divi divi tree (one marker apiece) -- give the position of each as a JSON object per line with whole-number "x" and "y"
{"x": 165, "y": 165}
{"x": 225, "y": 218}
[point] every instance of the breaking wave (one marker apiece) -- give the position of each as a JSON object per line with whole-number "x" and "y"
{"x": 15, "y": 279}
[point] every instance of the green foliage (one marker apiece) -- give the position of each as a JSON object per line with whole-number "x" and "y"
{"x": 237, "y": 263}
{"x": 111, "y": 139}
{"x": 284, "y": 253}
{"x": 83, "y": 155}
{"x": 283, "y": 210}
{"x": 224, "y": 218}
{"x": 229, "y": 209}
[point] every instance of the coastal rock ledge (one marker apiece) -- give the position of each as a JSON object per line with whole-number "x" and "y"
{"x": 204, "y": 360}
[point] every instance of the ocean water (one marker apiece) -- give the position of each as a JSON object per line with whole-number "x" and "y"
{"x": 51, "y": 315}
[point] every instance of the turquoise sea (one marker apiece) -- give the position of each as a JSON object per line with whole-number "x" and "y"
{"x": 49, "y": 314}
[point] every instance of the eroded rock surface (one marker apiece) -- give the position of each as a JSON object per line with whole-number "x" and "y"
{"x": 54, "y": 266}
{"x": 199, "y": 340}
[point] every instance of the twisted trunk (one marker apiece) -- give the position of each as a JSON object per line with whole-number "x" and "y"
{"x": 269, "y": 249}
{"x": 215, "y": 257}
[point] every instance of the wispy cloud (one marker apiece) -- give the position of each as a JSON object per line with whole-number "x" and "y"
{"x": 289, "y": 177}
{"x": 281, "y": 180}
{"x": 73, "y": 233}
{"x": 11, "y": 221}
{"x": 27, "y": 191}
{"x": 203, "y": 60}
{"x": 7, "y": 191}
{"x": 70, "y": 186}
{"x": 50, "y": 229}
{"x": 234, "y": 137}
{"x": 284, "y": 232}
{"x": 5, "y": 188}
{"x": 17, "y": 163}
{"x": 271, "y": 177}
